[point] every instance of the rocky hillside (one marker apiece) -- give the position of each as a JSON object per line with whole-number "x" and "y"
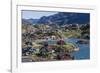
{"x": 63, "y": 18}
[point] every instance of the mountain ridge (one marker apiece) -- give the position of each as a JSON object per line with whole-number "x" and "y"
{"x": 61, "y": 18}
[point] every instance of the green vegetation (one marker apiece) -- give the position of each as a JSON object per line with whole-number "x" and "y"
{"x": 72, "y": 34}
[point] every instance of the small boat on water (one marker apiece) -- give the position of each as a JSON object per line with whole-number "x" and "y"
{"x": 76, "y": 49}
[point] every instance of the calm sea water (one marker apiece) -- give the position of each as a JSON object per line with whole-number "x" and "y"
{"x": 83, "y": 53}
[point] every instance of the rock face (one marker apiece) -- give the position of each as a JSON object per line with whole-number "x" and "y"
{"x": 63, "y": 18}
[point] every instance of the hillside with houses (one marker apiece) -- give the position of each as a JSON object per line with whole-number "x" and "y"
{"x": 49, "y": 38}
